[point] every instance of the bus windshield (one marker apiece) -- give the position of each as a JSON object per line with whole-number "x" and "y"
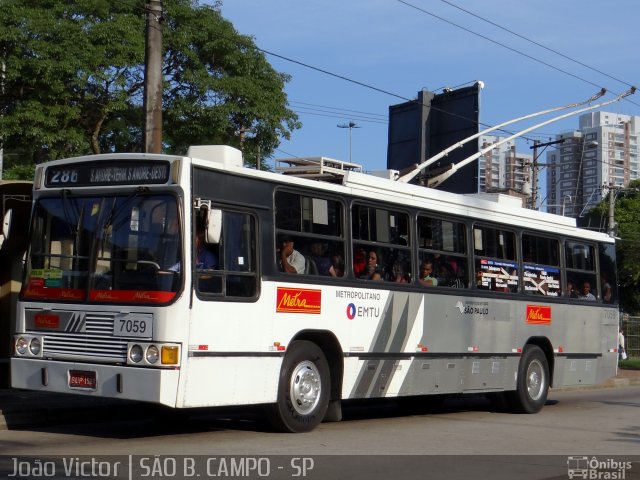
{"x": 121, "y": 248}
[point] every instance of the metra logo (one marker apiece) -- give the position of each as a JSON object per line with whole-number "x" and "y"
{"x": 43, "y": 320}
{"x": 538, "y": 314}
{"x": 148, "y": 296}
{"x": 32, "y": 292}
{"x": 72, "y": 294}
{"x": 298, "y": 300}
{"x": 105, "y": 295}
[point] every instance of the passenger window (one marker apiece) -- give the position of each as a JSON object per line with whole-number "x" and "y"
{"x": 496, "y": 268}
{"x": 581, "y": 276}
{"x": 442, "y": 252}
{"x": 315, "y": 227}
{"x": 541, "y": 265}
{"x": 381, "y": 249}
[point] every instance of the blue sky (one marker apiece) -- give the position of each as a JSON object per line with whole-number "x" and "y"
{"x": 394, "y": 47}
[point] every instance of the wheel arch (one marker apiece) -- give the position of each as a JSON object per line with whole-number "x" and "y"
{"x": 545, "y": 345}
{"x": 330, "y": 346}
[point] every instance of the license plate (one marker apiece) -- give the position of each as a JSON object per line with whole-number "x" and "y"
{"x": 82, "y": 379}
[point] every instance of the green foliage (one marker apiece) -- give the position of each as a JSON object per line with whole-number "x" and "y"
{"x": 20, "y": 172}
{"x": 627, "y": 218}
{"x": 630, "y": 364}
{"x": 75, "y": 80}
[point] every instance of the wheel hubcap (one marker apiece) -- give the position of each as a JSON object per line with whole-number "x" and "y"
{"x": 535, "y": 380}
{"x": 305, "y": 387}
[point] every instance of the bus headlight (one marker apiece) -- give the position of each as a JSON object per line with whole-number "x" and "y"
{"x": 28, "y": 345}
{"x": 35, "y": 346}
{"x": 152, "y": 354}
{"x": 21, "y": 345}
{"x": 135, "y": 354}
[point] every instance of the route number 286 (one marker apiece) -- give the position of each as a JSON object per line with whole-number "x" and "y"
{"x": 65, "y": 176}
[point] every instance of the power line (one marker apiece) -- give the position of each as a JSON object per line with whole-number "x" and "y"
{"x": 386, "y": 92}
{"x": 536, "y": 43}
{"x": 382, "y": 116}
{"x": 499, "y": 43}
{"x": 341, "y": 116}
{"x": 342, "y": 77}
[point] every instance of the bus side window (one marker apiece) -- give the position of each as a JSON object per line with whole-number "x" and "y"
{"x": 235, "y": 272}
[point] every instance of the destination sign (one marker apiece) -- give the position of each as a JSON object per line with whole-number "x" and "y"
{"x": 121, "y": 172}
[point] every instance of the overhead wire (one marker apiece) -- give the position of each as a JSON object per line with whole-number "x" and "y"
{"x": 386, "y": 92}
{"x": 530, "y": 57}
{"x": 535, "y": 43}
{"x": 578, "y": 77}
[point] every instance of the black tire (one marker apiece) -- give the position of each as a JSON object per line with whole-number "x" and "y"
{"x": 303, "y": 389}
{"x": 533, "y": 382}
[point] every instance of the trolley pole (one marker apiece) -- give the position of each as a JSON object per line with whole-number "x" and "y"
{"x": 153, "y": 78}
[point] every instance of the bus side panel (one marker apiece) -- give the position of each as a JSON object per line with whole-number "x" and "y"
{"x": 218, "y": 380}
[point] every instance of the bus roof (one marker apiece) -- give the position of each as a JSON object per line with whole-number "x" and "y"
{"x": 346, "y": 178}
{"x": 491, "y": 207}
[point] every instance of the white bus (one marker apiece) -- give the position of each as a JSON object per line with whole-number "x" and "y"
{"x": 400, "y": 290}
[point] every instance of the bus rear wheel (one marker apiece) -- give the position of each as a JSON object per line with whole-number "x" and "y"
{"x": 533, "y": 382}
{"x": 303, "y": 389}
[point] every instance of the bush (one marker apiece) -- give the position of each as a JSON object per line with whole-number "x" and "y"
{"x": 630, "y": 364}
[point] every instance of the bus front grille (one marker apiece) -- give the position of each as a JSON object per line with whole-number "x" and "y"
{"x": 87, "y": 347}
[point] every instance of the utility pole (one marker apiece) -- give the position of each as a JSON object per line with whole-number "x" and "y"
{"x": 534, "y": 176}
{"x": 3, "y": 76}
{"x": 612, "y": 221}
{"x": 535, "y": 165}
{"x": 153, "y": 78}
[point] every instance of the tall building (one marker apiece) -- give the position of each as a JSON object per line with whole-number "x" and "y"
{"x": 502, "y": 169}
{"x": 603, "y": 152}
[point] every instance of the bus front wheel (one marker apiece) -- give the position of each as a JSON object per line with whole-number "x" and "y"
{"x": 303, "y": 389}
{"x": 533, "y": 382}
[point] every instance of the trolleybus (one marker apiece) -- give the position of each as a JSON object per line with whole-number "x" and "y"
{"x": 396, "y": 290}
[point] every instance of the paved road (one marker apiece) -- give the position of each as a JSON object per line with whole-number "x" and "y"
{"x": 387, "y": 441}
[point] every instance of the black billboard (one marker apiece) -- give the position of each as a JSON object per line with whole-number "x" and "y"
{"x": 422, "y": 128}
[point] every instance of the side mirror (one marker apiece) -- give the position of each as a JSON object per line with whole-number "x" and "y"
{"x": 6, "y": 224}
{"x": 214, "y": 226}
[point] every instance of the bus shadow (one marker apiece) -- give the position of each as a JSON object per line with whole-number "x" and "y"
{"x": 140, "y": 421}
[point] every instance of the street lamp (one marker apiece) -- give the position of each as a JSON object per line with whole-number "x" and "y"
{"x": 350, "y": 126}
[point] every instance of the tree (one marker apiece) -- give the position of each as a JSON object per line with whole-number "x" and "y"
{"x": 627, "y": 218}
{"x": 75, "y": 78}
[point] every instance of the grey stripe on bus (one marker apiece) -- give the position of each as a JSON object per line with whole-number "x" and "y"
{"x": 393, "y": 331}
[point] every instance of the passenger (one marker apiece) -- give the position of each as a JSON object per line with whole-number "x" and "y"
{"x": 426, "y": 274}
{"x": 606, "y": 289}
{"x": 323, "y": 263}
{"x": 359, "y": 262}
{"x": 399, "y": 273}
{"x": 291, "y": 261}
{"x": 571, "y": 290}
{"x": 372, "y": 271}
{"x": 586, "y": 292}
{"x": 337, "y": 266}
